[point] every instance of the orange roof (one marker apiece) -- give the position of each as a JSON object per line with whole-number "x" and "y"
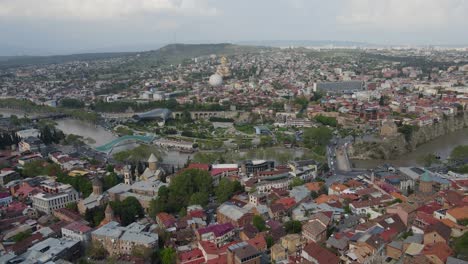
{"x": 338, "y": 187}
{"x": 326, "y": 198}
{"x": 448, "y": 222}
{"x": 459, "y": 213}
{"x": 287, "y": 202}
{"x": 441, "y": 250}
{"x": 258, "y": 242}
{"x": 314, "y": 186}
{"x": 399, "y": 196}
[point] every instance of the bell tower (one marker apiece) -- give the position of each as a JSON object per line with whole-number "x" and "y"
{"x": 128, "y": 175}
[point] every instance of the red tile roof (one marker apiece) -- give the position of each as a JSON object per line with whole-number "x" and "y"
{"x": 194, "y": 256}
{"x": 258, "y": 242}
{"x": 200, "y": 166}
{"x": 78, "y": 227}
{"x": 322, "y": 255}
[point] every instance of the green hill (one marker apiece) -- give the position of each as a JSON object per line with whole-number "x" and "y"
{"x": 19, "y": 61}
{"x": 170, "y": 54}
{"x": 177, "y": 53}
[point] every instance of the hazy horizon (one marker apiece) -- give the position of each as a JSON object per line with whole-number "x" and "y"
{"x": 75, "y": 26}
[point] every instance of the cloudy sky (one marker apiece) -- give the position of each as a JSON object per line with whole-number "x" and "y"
{"x": 62, "y": 26}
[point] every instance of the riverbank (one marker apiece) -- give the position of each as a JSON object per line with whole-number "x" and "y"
{"x": 441, "y": 146}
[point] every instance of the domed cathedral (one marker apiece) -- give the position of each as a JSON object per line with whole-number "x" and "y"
{"x": 142, "y": 186}
{"x": 425, "y": 183}
{"x": 97, "y": 198}
{"x": 152, "y": 172}
{"x": 224, "y": 69}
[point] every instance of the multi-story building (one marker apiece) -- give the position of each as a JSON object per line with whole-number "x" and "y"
{"x": 120, "y": 240}
{"x": 32, "y": 144}
{"x": 243, "y": 252}
{"x": 304, "y": 169}
{"x": 7, "y": 175}
{"x": 218, "y": 234}
{"x": 237, "y": 216}
{"x": 77, "y": 231}
{"x": 254, "y": 166}
{"x": 49, "y": 251}
{"x": 54, "y": 196}
{"x": 5, "y": 199}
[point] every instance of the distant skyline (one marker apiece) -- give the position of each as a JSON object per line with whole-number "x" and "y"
{"x": 41, "y": 27}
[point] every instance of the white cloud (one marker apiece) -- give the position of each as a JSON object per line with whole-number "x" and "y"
{"x": 102, "y": 9}
{"x": 403, "y": 15}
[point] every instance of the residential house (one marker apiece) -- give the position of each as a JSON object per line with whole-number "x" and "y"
{"x": 237, "y": 216}
{"x": 314, "y": 253}
{"x": 315, "y": 231}
{"x": 218, "y": 234}
{"x": 437, "y": 232}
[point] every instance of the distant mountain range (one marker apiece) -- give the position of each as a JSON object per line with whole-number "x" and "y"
{"x": 306, "y": 43}
{"x": 172, "y": 53}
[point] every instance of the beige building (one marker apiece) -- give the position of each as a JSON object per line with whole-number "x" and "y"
{"x": 119, "y": 240}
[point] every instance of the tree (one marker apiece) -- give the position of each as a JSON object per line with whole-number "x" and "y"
{"x": 72, "y": 206}
{"x": 428, "y": 159}
{"x": 110, "y": 168}
{"x": 96, "y": 251}
{"x": 71, "y": 103}
{"x": 168, "y": 256}
{"x": 407, "y": 131}
{"x": 226, "y": 189}
{"x": 270, "y": 241}
{"x": 110, "y": 181}
{"x": 382, "y": 101}
{"x": 327, "y": 121}
{"x": 259, "y": 223}
{"x": 95, "y": 215}
{"x": 180, "y": 192}
{"x": 266, "y": 141}
{"x": 21, "y": 236}
{"x": 297, "y": 182}
{"x": 314, "y": 194}
{"x": 460, "y": 153}
{"x": 319, "y": 136}
{"x": 199, "y": 198}
{"x": 293, "y": 227}
{"x": 460, "y": 246}
{"x": 128, "y": 210}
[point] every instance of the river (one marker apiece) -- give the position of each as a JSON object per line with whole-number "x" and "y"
{"x": 102, "y": 136}
{"x": 441, "y": 146}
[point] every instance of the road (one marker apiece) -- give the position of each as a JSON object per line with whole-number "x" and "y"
{"x": 338, "y": 162}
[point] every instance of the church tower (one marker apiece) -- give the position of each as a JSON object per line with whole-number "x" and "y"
{"x": 153, "y": 162}
{"x": 128, "y": 175}
{"x": 425, "y": 183}
{"x": 109, "y": 214}
{"x": 97, "y": 186}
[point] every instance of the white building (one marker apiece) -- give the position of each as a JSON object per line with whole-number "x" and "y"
{"x": 55, "y": 196}
{"x": 77, "y": 231}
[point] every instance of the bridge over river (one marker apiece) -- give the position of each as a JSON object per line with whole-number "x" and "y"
{"x": 108, "y": 147}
